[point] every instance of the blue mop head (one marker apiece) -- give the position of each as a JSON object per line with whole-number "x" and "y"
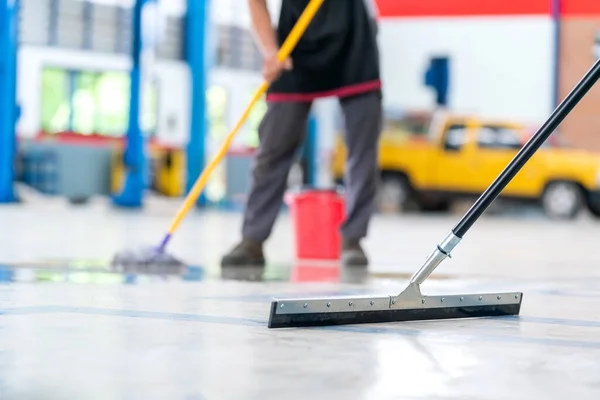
{"x": 147, "y": 259}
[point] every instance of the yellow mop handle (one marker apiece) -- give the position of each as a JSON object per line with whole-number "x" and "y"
{"x": 284, "y": 52}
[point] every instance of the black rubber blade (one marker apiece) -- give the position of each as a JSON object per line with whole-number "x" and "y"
{"x": 280, "y": 319}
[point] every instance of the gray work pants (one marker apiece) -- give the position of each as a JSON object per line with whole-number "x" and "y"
{"x": 281, "y": 133}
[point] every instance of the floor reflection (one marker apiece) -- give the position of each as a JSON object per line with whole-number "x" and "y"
{"x": 81, "y": 272}
{"x": 301, "y": 272}
{"x": 245, "y": 273}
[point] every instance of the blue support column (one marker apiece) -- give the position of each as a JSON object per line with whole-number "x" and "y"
{"x": 310, "y": 152}
{"x": 196, "y": 56}
{"x": 9, "y": 40}
{"x": 134, "y": 160}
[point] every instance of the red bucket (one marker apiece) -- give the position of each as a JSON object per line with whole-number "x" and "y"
{"x": 316, "y": 218}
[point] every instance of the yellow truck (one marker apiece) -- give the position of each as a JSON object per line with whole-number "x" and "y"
{"x": 429, "y": 161}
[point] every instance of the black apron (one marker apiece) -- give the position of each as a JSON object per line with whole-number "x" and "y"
{"x": 336, "y": 56}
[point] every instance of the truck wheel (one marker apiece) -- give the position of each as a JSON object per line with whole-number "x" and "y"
{"x": 435, "y": 206}
{"x": 562, "y": 200}
{"x": 594, "y": 209}
{"x": 393, "y": 194}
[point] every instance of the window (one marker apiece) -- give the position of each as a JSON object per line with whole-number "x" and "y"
{"x": 411, "y": 123}
{"x": 456, "y": 137}
{"x": 56, "y": 106}
{"x": 84, "y": 104}
{"x": 499, "y": 137}
{"x": 93, "y": 103}
{"x": 556, "y": 140}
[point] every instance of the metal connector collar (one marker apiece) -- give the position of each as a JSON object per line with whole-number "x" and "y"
{"x": 449, "y": 243}
{"x": 442, "y": 251}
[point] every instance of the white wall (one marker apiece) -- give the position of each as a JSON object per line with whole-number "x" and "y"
{"x": 500, "y": 67}
{"x": 173, "y": 100}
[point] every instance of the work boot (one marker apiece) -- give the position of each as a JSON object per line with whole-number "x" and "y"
{"x": 353, "y": 254}
{"x": 247, "y": 253}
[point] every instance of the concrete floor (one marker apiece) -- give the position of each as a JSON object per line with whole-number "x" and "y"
{"x": 72, "y": 329}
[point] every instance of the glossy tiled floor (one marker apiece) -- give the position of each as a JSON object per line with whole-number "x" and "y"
{"x": 71, "y": 329}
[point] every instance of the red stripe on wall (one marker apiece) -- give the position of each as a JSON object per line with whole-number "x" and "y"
{"x": 460, "y": 8}
{"x": 580, "y": 8}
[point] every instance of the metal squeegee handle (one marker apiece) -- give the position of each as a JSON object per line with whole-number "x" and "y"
{"x": 451, "y": 240}
{"x": 284, "y": 52}
{"x": 528, "y": 150}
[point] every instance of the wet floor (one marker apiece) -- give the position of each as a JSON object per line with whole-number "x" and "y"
{"x": 72, "y": 328}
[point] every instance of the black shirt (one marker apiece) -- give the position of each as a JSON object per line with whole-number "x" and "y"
{"x": 336, "y": 56}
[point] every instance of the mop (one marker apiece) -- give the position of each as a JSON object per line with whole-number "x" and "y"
{"x": 157, "y": 256}
{"x": 411, "y": 304}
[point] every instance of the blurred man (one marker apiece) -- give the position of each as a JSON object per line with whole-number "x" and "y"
{"x": 336, "y": 56}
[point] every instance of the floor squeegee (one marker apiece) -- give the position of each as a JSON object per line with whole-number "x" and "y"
{"x": 411, "y": 304}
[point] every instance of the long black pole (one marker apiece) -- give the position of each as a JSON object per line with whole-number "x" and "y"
{"x": 532, "y": 145}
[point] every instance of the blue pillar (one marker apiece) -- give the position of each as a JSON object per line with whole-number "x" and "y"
{"x": 8, "y": 93}
{"x": 310, "y": 152}
{"x": 196, "y": 56}
{"x": 134, "y": 160}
